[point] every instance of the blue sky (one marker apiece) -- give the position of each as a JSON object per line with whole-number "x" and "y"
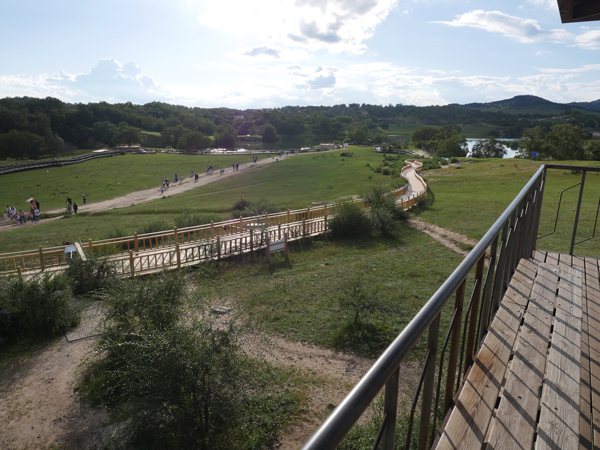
{"x": 272, "y": 53}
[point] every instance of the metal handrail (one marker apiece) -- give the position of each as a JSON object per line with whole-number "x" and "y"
{"x": 342, "y": 419}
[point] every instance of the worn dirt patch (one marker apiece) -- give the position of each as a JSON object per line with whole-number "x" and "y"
{"x": 445, "y": 237}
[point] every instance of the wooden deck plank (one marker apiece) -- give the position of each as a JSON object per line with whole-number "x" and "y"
{"x": 558, "y": 426}
{"x": 585, "y": 405}
{"x": 469, "y": 421}
{"x": 552, "y": 258}
{"x": 515, "y": 421}
{"x": 539, "y": 256}
{"x": 593, "y": 317}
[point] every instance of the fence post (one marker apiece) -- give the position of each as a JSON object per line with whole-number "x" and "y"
{"x": 41, "y": 258}
{"x": 278, "y": 230}
{"x": 577, "y": 212}
{"x": 325, "y": 230}
{"x": 178, "y": 255}
{"x": 241, "y": 225}
{"x": 390, "y": 410}
{"x": 174, "y": 235}
{"x": 91, "y": 246}
{"x": 325, "y": 210}
{"x": 212, "y": 229}
{"x": 285, "y": 239}
{"x": 268, "y": 249}
{"x": 308, "y": 212}
{"x": 288, "y": 216}
{"x": 132, "y": 264}
{"x": 454, "y": 344}
{"x": 428, "y": 382}
{"x": 303, "y": 228}
{"x": 135, "y": 239}
{"x": 267, "y": 220}
{"x": 252, "y": 242}
{"x": 218, "y": 247}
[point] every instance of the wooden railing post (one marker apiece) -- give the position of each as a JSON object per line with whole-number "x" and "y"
{"x": 325, "y": 210}
{"x": 267, "y": 220}
{"x": 131, "y": 264}
{"x": 241, "y": 225}
{"x": 178, "y": 255}
{"x": 303, "y": 228}
{"x": 268, "y": 249}
{"x": 218, "y": 247}
{"x": 308, "y": 212}
{"x": 288, "y": 216}
{"x": 175, "y": 235}
{"x": 278, "y": 231}
{"x": 91, "y": 246}
{"x": 252, "y": 242}
{"x": 136, "y": 243}
{"x": 212, "y": 229}
{"x": 41, "y": 258}
{"x": 285, "y": 239}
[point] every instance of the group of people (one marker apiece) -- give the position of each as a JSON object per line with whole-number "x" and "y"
{"x": 209, "y": 171}
{"x": 21, "y": 217}
{"x": 71, "y": 205}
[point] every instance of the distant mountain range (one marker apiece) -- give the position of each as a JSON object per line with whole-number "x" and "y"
{"x": 532, "y": 104}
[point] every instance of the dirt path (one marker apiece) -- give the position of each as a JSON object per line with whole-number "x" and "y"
{"x": 456, "y": 242}
{"x": 148, "y": 195}
{"x": 39, "y": 405}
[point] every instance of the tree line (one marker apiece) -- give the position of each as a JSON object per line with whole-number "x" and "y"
{"x": 33, "y": 127}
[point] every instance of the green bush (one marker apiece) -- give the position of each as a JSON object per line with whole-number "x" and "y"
{"x": 350, "y": 220}
{"x": 386, "y": 171}
{"x": 187, "y": 219}
{"x": 178, "y": 382}
{"x": 44, "y": 301}
{"x": 454, "y": 160}
{"x": 378, "y": 169}
{"x": 89, "y": 275}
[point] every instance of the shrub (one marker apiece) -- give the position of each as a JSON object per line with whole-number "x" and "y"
{"x": 241, "y": 204}
{"x": 386, "y": 171}
{"x": 454, "y": 160}
{"x": 187, "y": 219}
{"x": 259, "y": 208}
{"x": 378, "y": 169}
{"x": 384, "y": 223}
{"x": 89, "y": 275}
{"x": 181, "y": 383}
{"x": 44, "y": 302}
{"x": 350, "y": 220}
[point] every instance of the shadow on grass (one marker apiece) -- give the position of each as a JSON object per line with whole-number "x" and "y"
{"x": 364, "y": 339}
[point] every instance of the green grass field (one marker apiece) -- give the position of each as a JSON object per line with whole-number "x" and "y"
{"x": 470, "y": 199}
{"x": 292, "y": 183}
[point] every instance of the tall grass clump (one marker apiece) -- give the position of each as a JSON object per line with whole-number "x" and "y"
{"x": 177, "y": 379}
{"x": 89, "y": 275}
{"x": 245, "y": 208}
{"x": 43, "y": 303}
{"x": 188, "y": 219}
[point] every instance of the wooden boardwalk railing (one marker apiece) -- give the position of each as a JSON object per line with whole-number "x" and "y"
{"x": 149, "y": 252}
{"x": 18, "y": 167}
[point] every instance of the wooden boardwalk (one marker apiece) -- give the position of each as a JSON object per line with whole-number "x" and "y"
{"x": 535, "y": 382}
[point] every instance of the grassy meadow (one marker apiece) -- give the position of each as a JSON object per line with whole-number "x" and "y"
{"x": 468, "y": 199}
{"x": 292, "y": 183}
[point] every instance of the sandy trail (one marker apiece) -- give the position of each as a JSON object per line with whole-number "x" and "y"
{"x": 148, "y": 195}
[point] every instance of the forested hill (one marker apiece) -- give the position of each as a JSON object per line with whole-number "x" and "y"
{"x": 31, "y": 127}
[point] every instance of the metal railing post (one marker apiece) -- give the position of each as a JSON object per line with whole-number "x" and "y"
{"x": 538, "y": 209}
{"x": 470, "y": 351}
{"x": 428, "y": 383}
{"x": 487, "y": 292}
{"x": 577, "y": 213}
{"x": 390, "y": 410}
{"x": 454, "y": 344}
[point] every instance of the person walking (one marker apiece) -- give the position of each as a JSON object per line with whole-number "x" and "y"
{"x": 84, "y": 199}
{"x": 75, "y": 208}
{"x": 37, "y": 204}
{"x": 69, "y": 201}
{"x": 36, "y": 215}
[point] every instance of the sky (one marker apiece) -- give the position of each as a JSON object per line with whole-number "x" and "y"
{"x": 273, "y": 53}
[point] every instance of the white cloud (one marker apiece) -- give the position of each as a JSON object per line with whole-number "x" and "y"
{"x": 336, "y": 25}
{"x": 523, "y": 30}
{"x": 546, "y": 4}
{"x": 108, "y": 80}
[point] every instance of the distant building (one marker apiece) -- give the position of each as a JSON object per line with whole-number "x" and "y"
{"x": 328, "y": 146}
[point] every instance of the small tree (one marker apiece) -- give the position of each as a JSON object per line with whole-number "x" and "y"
{"x": 359, "y": 298}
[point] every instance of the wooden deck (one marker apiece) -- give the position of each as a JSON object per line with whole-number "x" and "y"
{"x": 535, "y": 382}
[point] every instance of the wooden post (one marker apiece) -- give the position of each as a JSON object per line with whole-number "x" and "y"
{"x": 303, "y": 228}
{"x": 241, "y": 225}
{"x": 252, "y": 242}
{"x": 325, "y": 210}
{"x": 285, "y": 243}
{"x": 91, "y": 247}
{"x": 308, "y": 212}
{"x": 41, "y": 258}
{"x": 218, "y": 247}
{"x": 178, "y": 255}
{"x": 135, "y": 239}
{"x": 268, "y": 249}
{"x": 288, "y": 215}
{"x": 175, "y": 235}
{"x": 325, "y": 223}
{"x": 267, "y": 220}
{"x": 131, "y": 263}
{"x": 212, "y": 229}
{"x": 278, "y": 231}
{"x": 19, "y": 272}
